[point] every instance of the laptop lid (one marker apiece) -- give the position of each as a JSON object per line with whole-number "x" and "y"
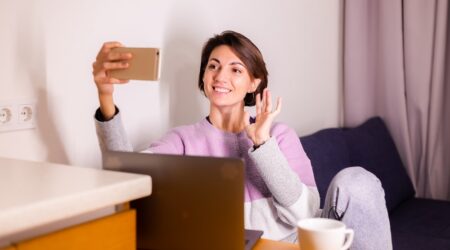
{"x": 196, "y": 202}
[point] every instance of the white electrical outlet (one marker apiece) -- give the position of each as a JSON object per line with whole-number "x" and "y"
{"x": 26, "y": 113}
{"x": 5, "y": 115}
{"x": 15, "y": 115}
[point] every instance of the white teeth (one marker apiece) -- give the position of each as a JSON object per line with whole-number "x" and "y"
{"x": 221, "y": 90}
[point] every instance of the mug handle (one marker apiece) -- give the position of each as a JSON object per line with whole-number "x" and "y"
{"x": 349, "y": 238}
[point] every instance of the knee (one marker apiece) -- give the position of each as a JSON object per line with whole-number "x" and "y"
{"x": 356, "y": 189}
{"x": 358, "y": 183}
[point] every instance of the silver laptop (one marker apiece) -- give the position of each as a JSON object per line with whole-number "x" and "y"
{"x": 196, "y": 202}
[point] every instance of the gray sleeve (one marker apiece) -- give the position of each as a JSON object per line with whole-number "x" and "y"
{"x": 273, "y": 167}
{"x": 111, "y": 134}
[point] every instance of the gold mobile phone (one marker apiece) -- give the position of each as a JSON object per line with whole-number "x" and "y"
{"x": 144, "y": 65}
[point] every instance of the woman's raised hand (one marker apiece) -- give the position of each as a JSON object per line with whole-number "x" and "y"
{"x": 108, "y": 60}
{"x": 259, "y": 132}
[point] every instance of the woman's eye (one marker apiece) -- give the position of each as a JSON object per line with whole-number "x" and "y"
{"x": 212, "y": 66}
{"x": 237, "y": 71}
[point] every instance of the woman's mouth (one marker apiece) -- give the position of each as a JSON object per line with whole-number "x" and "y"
{"x": 221, "y": 90}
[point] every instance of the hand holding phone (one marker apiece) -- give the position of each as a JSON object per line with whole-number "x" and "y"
{"x": 111, "y": 68}
{"x": 144, "y": 64}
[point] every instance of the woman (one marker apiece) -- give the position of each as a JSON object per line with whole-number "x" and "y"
{"x": 280, "y": 188}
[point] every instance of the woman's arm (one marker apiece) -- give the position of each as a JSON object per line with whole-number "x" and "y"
{"x": 111, "y": 133}
{"x": 281, "y": 172}
{"x": 112, "y": 136}
{"x": 105, "y": 61}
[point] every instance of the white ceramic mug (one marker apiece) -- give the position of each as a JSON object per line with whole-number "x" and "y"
{"x": 323, "y": 234}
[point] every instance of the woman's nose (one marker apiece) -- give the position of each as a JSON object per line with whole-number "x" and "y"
{"x": 220, "y": 75}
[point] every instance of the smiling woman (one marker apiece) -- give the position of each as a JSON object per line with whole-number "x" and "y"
{"x": 232, "y": 75}
{"x": 248, "y": 57}
{"x": 279, "y": 185}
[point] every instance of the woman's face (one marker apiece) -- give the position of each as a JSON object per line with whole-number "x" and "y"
{"x": 226, "y": 79}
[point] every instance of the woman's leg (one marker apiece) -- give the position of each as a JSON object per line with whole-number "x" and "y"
{"x": 355, "y": 196}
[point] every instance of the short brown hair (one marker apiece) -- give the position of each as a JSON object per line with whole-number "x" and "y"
{"x": 247, "y": 52}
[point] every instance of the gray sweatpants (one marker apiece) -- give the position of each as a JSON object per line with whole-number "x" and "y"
{"x": 355, "y": 196}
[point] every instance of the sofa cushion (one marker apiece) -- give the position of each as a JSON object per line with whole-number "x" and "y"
{"x": 371, "y": 146}
{"x": 328, "y": 153}
{"x": 421, "y": 224}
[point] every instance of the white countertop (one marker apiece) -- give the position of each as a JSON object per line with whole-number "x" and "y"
{"x": 34, "y": 194}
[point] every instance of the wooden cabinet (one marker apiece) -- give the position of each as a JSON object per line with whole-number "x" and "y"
{"x": 264, "y": 244}
{"x": 117, "y": 232}
{"x": 8, "y": 248}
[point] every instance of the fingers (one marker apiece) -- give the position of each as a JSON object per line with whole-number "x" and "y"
{"x": 118, "y": 56}
{"x": 258, "y": 104}
{"x": 100, "y": 71}
{"x": 115, "y": 65}
{"x": 107, "y": 59}
{"x": 107, "y": 54}
{"x": 268, "y": 100}
{"x": 106, "y": 48}
{"x": 111, "y": 44}
{"x": 264, "y": 104}
{"x": 278, "y": 109}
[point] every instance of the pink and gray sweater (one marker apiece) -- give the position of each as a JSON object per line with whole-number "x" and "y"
{"x": 279, "y": 185}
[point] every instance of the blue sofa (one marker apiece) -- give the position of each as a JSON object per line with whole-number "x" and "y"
{"x": 415, "y": 223}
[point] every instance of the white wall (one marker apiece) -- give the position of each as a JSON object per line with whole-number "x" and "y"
{"x": 49, "y": 45}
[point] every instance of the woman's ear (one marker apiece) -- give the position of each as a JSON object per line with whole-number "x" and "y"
{"x": 254, "y": 85}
